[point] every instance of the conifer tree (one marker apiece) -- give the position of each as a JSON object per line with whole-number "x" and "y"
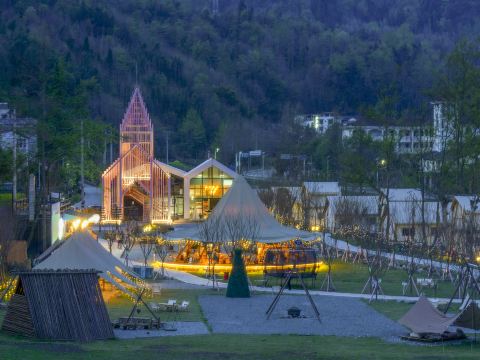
{"x": 238, "y": 281}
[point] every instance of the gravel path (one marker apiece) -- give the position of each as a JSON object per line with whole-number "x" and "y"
{"x": 183, "y": 328}
{"x": 339, "y": 317}
{"x": 175, "y": 284}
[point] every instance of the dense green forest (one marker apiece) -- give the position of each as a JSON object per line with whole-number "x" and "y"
{"x": 233, "y": 79}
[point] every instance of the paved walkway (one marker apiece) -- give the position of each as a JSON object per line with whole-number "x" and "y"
{"x": 200, "y": 281}
{"x": 93, "y": 197}
{"x": 344, "y": 246}
{"x": 196, "y": 280}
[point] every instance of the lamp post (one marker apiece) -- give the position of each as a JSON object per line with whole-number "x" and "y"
{"x": 380, "y": 164}
{"x": 215, "y": 154}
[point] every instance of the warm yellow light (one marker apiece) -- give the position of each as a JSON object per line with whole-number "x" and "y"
{"x": 383, "y": 162}
{"x": 76, "y": 224}
{"x": 147, "y": 228}
{"x": 228, "y": 267}
{"x": 478, "y": 259}
{"x": 112, "y": 222}
{"x": 211, "y": 189}
{"x": 85, "y": 224}
{"x": 61, "y": 229}
{"x": 94, "y": 219}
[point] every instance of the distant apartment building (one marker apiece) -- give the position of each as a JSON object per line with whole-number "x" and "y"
{"x": 19, "y": 130}
{"x": 319, "y": 122}
{"x": 409, "y": 139}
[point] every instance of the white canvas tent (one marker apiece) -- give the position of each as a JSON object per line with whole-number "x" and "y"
{"x": 243, "y": 202}
{"x": 81, "y": 252}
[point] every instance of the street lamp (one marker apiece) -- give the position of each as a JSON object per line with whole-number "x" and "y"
{"x": 380, "y": 164}
{"x": 216, "y": 151}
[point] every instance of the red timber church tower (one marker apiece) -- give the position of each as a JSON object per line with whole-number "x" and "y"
{"x": 135, "y": 187}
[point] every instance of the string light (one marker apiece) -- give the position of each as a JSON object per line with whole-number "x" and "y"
{"x": 13, "y": 286}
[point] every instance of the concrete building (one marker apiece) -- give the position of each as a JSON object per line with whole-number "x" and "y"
{"x": 318, "y": 122}
{"x": 19, "y": 130}
{"x": 409, "y": 139}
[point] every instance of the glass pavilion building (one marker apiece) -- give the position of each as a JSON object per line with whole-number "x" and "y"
{"x": 139, "y": 187}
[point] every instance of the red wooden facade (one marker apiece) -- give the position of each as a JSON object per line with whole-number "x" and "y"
{"x": 134, "y": 186}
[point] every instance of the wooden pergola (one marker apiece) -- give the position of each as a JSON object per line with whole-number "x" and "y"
{"x": 135, "y": 177}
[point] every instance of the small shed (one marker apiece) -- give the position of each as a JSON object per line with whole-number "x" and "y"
{"x": 58, "y": 305}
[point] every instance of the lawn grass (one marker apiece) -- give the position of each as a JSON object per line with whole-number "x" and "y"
{"x": 219, "y": 346}
{"x": 278, "y": 347}
{"x": 5, "y": 199}
{"x": 351, "y": 278}
{"x": 121, "y": 306}
{"x": 391, "y": 309}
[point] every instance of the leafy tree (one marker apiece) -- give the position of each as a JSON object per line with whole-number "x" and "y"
{"x": 192, "y": 135}
{"x": 358, "y": 162}
{"x": 5, "y": 165}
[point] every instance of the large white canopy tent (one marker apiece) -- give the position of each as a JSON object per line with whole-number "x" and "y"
{"x": 80, "y": 252}
{"x": 242, "y": 202}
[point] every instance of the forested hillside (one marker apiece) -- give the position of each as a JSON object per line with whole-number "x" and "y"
{"x": 231, "y": 79}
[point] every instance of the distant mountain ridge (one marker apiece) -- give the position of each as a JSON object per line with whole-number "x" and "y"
{"x": 253, "y": 65}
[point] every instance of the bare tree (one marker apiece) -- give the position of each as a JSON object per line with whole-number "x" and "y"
{"x": 284, "y": 204}
{"x": 307, "y": 211}
{"x": 328, "y": 256}
{"x": 447, "y": 235}
{"x": 267, "y": 196}
{"x": 162, "y": 250}
{"x": 377, "y": 265}
{"x": 129, "y": 237}
{"x": 412, "y": 246}
{"x": 8, "y": 234}
{"x": 113, "y": 236}
{"x": 352, "y": 220}
{"x": 147, "y": 245}
{"x": 211, "y": 233}
{"x": 241, "y": 232}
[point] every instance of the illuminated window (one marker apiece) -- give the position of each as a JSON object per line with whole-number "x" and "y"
{"x": 206, "y": 190}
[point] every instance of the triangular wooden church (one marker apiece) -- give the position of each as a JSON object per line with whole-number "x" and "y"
{"x": 135, "y": 185}
{"x": 58, "y": 305}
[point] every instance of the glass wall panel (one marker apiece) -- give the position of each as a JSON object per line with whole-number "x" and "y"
{"x": 206, "y": 189}
{"x": 176, "y": 184}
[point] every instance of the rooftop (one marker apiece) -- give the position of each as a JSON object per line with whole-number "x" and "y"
{"x": 467, "y": 202}
{"x": 322, "y": 187}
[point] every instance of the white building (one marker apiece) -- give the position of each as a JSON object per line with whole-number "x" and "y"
{"x": 465, "y": 208}
{"x": 409, "y": 139}
{"x": 413, "y": 139}
{"x": 23, "y": 128}
{"x": 359, "y": 210}
{"x": 318, "y": 192}
{"x": 195, "y": 193}
{"x": 318, "y": 122}
{"x": 442, "y": 125}
{"x": 406, "y": 218}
